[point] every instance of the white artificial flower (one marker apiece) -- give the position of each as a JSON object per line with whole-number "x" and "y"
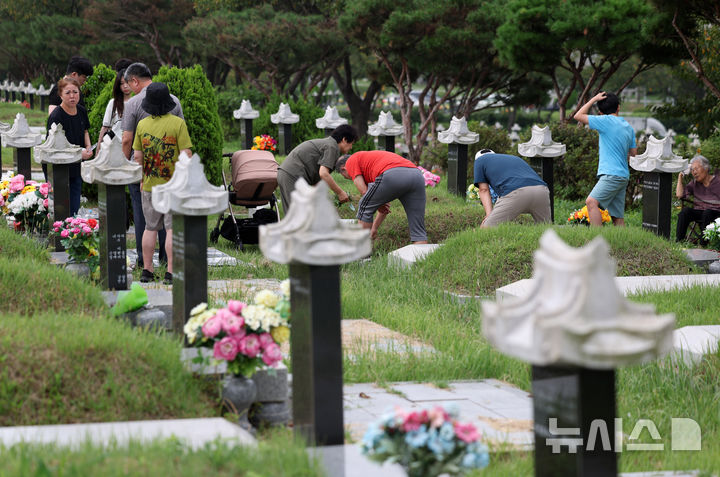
{"x": 285, "y": 287}
{"x": 267, "y": 298}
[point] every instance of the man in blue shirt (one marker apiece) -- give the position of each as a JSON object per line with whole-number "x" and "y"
{"x": 520, "y": 189}
{"x": 617, "y": 141}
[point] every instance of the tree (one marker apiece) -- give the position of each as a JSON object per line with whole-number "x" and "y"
{"x": 588, "y": 40}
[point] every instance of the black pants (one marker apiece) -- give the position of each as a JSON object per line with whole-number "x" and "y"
{"x": 686, "y": 216}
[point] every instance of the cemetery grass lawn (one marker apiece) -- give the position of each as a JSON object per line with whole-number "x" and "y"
{"x": 277, "y": 454}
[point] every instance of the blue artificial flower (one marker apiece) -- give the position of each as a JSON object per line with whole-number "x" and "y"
{"x": 476, "y": 456}
{"x": 417, "y": 438}
{"x": 372, "y": 436}
{"x": 452, "y": 409}
{"x": 439, "y": 445}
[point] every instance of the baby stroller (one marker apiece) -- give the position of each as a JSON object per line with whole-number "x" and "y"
{"x": 254, "y": 180}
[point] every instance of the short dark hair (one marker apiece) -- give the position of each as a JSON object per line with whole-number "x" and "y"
{"x": 344, "y": 131}
{"x": 341, "y": 162}
{"x": 123, "y": 63}
{"x": 79, "y": 65}
{"x": 138, "y": 70}
{"x": 610, "y": 104}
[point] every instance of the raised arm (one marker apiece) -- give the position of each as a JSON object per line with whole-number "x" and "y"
{"x": 582, "y": 114}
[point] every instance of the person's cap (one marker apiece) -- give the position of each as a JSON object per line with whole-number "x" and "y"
{"x": 484, "y": 151}
{"x": 157, "y": 100}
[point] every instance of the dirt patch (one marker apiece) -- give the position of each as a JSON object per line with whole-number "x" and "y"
{"x": 508, "y": 425}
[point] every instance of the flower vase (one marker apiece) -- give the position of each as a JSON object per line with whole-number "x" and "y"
{"x": 238, "y": 393}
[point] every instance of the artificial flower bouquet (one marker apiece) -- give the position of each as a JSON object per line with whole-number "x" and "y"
{"x": 712, "y": 234}
{"x": 264, "y": 142}
{"x": 580, "y": 217}
{"x": 426, "y": 442}
{"x": 81, "y": 240}
{"x": 473, "y": 193}
{"x": 245, "y": 336}
{"x": 25, "y": 202}
{"x": 431, "y": 180}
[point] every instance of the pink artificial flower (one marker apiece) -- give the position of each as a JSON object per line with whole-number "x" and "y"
{"x": 76, "y": 222}
{"x": 64, "y": 234}
{"x": 414, "y": 420}
{"x": 212, "y": 327}
{"x": 272, "y": 354}
{"x": 232, "y": 323}
{"x": 68, "y": 220}
{"x": 46, "y": 203}
{"x": 239, "y": 336}
{"x": 437, "y": 416}
{"x": 87, "y": 230}
{"x": 44, "y": 189}
{"x": 236, "y": 306}
{"x": 15, "y": 184}
{"x": 266, "y": 340}
{"x": 226, "y": 349}
{"x": 57, "y": 224}
{"x": 2, "y": 201}
{"x": 75, "y": 230}
{"x": 466, "y": 432}
{"x": 250, "y": 345}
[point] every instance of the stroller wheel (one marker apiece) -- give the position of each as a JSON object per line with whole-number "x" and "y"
{"x": 214, "y": 235}
{"x": 238, "y": 243}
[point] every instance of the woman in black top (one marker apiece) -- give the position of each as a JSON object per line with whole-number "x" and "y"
{"x": 75, "y": 123}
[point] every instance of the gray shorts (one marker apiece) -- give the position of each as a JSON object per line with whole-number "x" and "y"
{"x": 533, "y": 200}
{"x": 405, "y": 184}
{"x": 610, "y": 194}
{"x": 154, "y": 219}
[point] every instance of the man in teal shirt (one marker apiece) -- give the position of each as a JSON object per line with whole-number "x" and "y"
{"x": 617, "y": 141}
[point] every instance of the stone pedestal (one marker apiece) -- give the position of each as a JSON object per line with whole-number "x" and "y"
{"x": 189, "y": 266}
{"x": 285, "y": 138}
{"x": 574, "y": 413}
{"x": 386, "y": 129}
{"x": 657, "y": 198}
{"x": 59, "y": 175}
{"x": 21, "y": 161}
{"x": 544, "y": 166}
{"x": 330, "y": 120}
{"x": 457, "y": 168}
{"x": 246, "y": 113}
{"x": 317, "y": 353}
{"x": 112, "y": 210}
{"x": 247, "y": 133}
{"x": 387, "y": 143}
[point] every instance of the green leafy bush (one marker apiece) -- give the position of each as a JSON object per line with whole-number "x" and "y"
{"x": 710, "y": 148}
{"x": 200, "y": 108}
{"x": 301, "y": 131}
{"x": 365, "y": 143}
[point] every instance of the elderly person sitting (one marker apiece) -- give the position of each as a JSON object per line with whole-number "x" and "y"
{"x": 705, "y": 188}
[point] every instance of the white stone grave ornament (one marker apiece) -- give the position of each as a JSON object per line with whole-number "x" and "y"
{"x": 13, "y": 87}
{"x": 541, "y": 144}
{"x": 658, "y": 157}
{"x": 312, "y": 233}
{"x": 4, "y": 127}
{"x": 5, "y": 85}
{"x": 514, "y": 136}
{"x": 21, "y": 86}
{"x": 42, "y": 91}
{"x": 284, "y": 115}
{"x": 30, "y": 89}
{"x": 516, "y": 127}
{"x": 330, "y": 120}
{"x": 57, "y": 149}
{"x": 188, "y": 191}
{"x": 20, "y": 135}
{"x": 497, "y": 125}
{"x": 695, "y": 139}
{"x": 246, "y": 111}
{"x": 458, "y": 133}
{"x": 110, "y": 165}
{"x": 575, "y": 315}
{"x": 385, "y": 126}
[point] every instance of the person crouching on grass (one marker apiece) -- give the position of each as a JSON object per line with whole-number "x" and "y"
{"x": 159, "y": 139}
{"x": 382, "y": 177}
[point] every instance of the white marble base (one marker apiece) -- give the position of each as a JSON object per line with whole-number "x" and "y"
{"x": 407, "y": 256}
{"x": 691, "y": 343}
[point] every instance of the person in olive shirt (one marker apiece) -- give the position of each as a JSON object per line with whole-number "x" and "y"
{"x": 314, "y": 160}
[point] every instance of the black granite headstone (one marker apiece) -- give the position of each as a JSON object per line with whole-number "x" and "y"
{"x": 59, "y": 175}
{"x": 657, "y": 198}
{"x": 317, "y": 354}
{"x": 387, "y": 143}
{"x": 113, "y": 248}
{"x": 285, "y": 138}
{"x": 457, "y": 168}
{"x": 574, "y": 414}
{"x": 21, "y": 160}
{"x": 247, "y": 133}
{"x": 7, "y": 95}
{"x": 328, "y": 131}
{"x": 32, "y": 101}
{"x": 544, "y": 167}
{"x": 189, "y": 266}
{"x": 42, "y": 102}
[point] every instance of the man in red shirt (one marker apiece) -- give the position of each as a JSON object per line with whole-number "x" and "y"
{"x": 382, "y": 177}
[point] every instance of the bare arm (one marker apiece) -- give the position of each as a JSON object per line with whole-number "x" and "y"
{"x": 633, "y": 151}
{"x": 187, "y": 151}
{"x": 582, "y": 114}
{"x": 103, "y": 131}
{"x": 87, "y": 152}
{"x": 327, "y": 177}
{"x": 484, "y": 193}
{"x": 360, "y": 184}
{"x": 138, "y": 157}
{"x": 680, "y": 188}
{"x": 51, "y": 108}
{"x": 127, "y": 140}
{"x": 376, "y": 223}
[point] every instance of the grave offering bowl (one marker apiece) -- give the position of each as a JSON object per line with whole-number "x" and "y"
{"x": 658, "y": 157}
{"x": 541, "y": 144}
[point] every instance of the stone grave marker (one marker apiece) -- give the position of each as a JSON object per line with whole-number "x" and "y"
{"x": 21, "y": 139}
{"x": 111, "y": 171}
{"x": 246, "y": 113}
{"x": 190, "y": 198}
{"x": 43, "y": 93}
{"x": 5, "y": 88}
{"x": 13, "y": 91}
{"x": 385, "y": 129}
{"x": 284, "y": 118}
{"x": 575, "y": 328}
{"x": 457, "y": 137}
{"x": 658, "y": 162}
{"x": 31, "y": 92}
{"x": 313, "y": 241}
{"x": 542, "y": 149}
{"x": 330, "y": 120}
{"x": 59, "y": 154}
